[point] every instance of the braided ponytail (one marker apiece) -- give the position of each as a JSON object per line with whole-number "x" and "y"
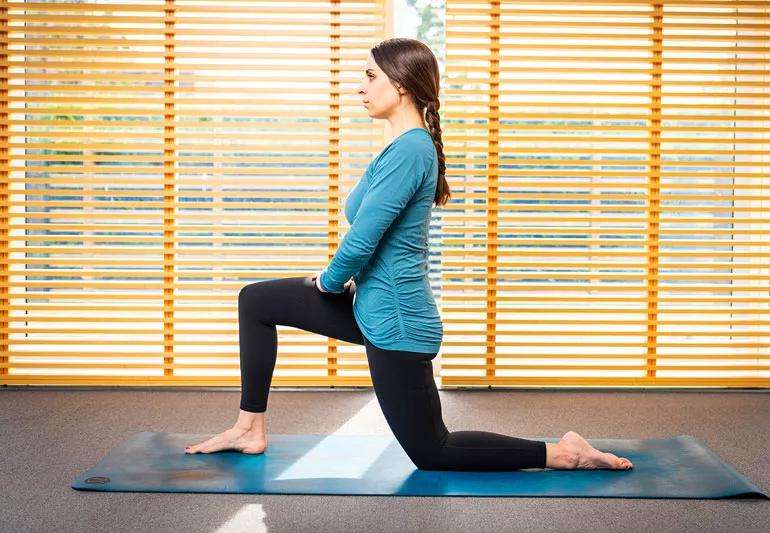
{"x": 433, "y": 121}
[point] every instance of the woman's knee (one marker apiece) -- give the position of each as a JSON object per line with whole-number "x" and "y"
{"x": 425, "y": 455}
{"x": 248, "y": 297}
{"x": 427, "y": 460}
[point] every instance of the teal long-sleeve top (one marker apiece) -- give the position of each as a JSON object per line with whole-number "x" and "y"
{"x": 385, "y": 250}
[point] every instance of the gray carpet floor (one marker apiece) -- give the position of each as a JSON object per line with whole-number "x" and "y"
{"x": 49, "y": 436}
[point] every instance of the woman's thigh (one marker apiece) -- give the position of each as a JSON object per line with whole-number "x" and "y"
{"x": 296, "y": 302}
{"x": 407, "y": 394}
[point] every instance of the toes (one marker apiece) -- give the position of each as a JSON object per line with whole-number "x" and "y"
{"x": 206, "y": 448}
{"x": 194, "y": 448}
{"x": 214, "y": 444}
{"x": 200, "y": 447}
{"x": 610, "y": 460}
{"x": 620, "y": 463}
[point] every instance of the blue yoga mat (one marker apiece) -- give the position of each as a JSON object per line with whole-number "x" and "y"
{"x": 679, "y": 467}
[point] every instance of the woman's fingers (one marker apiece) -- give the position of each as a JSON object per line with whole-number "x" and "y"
{"x": 315, "y": 276}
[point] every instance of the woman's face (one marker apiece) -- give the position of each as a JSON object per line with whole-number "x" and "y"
{"x": 378, "y": 95}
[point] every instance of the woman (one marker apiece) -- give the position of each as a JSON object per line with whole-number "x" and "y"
{"x": 390, "y": 309}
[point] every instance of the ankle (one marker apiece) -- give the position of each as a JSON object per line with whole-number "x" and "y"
{"x": 254, "y": 422}
{"x": 557, "y": 456}
{"x": 551, "y": 453}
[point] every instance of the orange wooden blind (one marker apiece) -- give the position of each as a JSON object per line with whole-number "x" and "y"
{"x": 158, "y": 156}
{"x": 609, "y": 162}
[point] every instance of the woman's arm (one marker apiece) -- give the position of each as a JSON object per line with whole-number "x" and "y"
{"x": 393, "y": 182}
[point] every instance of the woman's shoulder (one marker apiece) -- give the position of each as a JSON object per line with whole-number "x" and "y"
{"x": 411, "y": 145}
{"x": 415, "y": 142}
{"x": 413, "y": 138}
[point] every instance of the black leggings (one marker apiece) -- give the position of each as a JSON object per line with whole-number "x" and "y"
{"x": 403, "y": 381}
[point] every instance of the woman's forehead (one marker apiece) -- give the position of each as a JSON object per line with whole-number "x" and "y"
{"x": 371, "y": 65}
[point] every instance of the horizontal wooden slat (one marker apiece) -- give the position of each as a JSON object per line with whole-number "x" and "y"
{"x": 330, "y": 32}
{"x": 614, "y": 381}
{"x": 207, "y": 44}
{"x": 185, "y": 120}
{"x": 181, "y": 263}
{"x": 508, "y": 155}
{"x": 15, "y": 56}
{"x": 59, "y": 272}
{"x": 306, "y": 5}
{"x": 754, "y": 40}
{"x": 31, "y": 21}
{"x": 322, "y": 70}
{"x": 274, "y": 188}
{"x": 107, "y": 379}
{"x": 640, "y": 11}
{"x": 155, "y": 310}
{"x": 697, "y": 201}
{"x": 561, "y": 320}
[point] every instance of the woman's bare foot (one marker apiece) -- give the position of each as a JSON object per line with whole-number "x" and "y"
{"x": 239, "y": 439}
{"x": 574, "y": 453}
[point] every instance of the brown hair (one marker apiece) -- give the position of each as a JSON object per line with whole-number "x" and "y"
{"x": 411, "y": 64}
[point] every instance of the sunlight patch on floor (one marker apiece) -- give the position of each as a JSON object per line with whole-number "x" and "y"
{"x": 315, "y": 463}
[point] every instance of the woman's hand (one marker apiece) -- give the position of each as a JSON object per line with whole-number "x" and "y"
{"x": 316, "y": 277}
{"x": 317, "y": 282}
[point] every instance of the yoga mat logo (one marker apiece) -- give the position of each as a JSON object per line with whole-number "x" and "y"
{"x": 98, "y": 480}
